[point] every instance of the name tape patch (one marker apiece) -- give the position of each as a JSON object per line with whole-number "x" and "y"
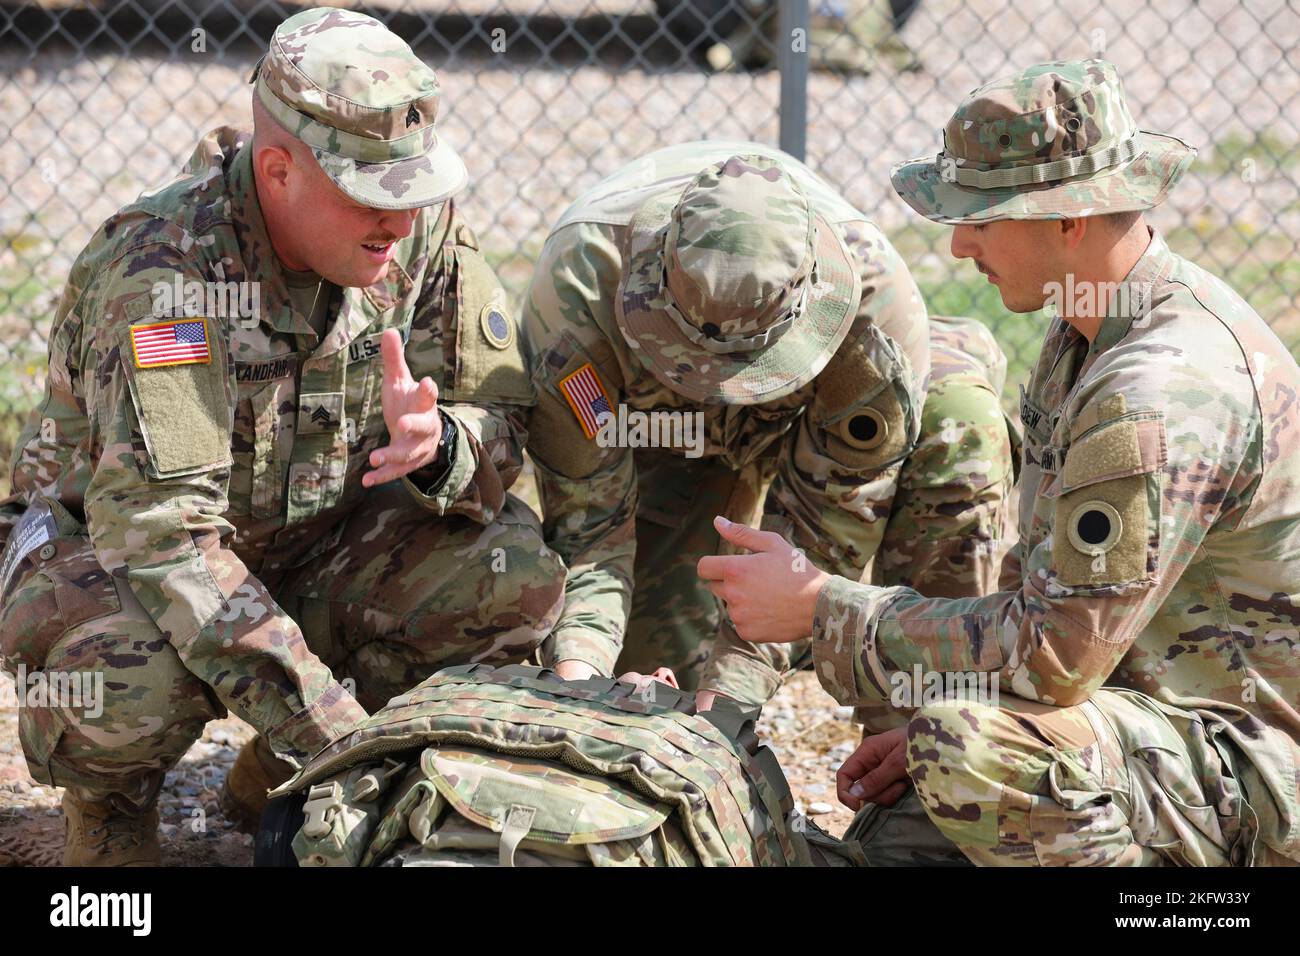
{"x": 266, "y": 370}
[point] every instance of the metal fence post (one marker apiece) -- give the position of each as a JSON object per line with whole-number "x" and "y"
{"x": 793, "y": 65}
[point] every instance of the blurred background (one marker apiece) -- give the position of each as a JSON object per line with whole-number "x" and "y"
{"x": 101, "y": 100}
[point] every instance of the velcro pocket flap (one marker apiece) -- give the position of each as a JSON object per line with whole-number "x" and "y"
{"x": 1107, "y": 509}
{"x": 490, "y": 360}
{"x": 1118, "y": 449}
{"x": 184, "y": 411}
{"x": 556, "y": 434}
{"x": 861, "y": 404}
{"x": 569, "y": 807}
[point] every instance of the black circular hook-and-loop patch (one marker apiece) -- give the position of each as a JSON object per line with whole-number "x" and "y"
{"x": 1095, "y": 527}
{"x": 865, "y": 429}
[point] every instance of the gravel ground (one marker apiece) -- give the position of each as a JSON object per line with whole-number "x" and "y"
{"x": 809, "y": 733}
{"x": 81, "y": 135}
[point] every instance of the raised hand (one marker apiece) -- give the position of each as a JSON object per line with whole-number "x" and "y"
{"x": 411, "y": 414}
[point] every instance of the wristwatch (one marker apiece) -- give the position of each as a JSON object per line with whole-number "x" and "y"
{"x": 441, "y": 465}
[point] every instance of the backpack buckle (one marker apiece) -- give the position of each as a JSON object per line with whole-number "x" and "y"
{"x": 324, "y": 800}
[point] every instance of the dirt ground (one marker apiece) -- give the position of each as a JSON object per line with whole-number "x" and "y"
{"x": 809, "y": 733}
{"x": 86, "y": 131}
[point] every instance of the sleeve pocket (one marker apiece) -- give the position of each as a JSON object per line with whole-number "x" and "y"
{"x": 1106, "y": 527}
{"x": 556, "y": 436}
{"x": 490, "y": 363}
{"x": 183, "y": 411}
{"x": 861, "y": 412}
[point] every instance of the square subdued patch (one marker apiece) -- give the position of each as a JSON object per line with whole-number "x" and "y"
{"x": 182, "y": 407}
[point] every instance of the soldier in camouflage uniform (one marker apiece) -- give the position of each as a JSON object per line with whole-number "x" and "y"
{"x": 726, "y": 283}
{"x": 1148, "y": 655}
{"x": 205, "y": 505}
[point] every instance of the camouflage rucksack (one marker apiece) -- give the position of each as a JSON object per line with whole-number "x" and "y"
{"x": 512, "y": 766}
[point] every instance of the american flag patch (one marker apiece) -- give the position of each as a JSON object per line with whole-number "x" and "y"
{"x": 178, "y": 342}
{"x": 587, "y": 398}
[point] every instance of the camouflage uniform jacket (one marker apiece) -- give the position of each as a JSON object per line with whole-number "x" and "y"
{"x": 1159, "y": 522}
{"x": 196, "y": 480}
{"x": 833, "y": 494}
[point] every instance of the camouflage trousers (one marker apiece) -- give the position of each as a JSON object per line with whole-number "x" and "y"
{"x": 1120, "y": 780}
{"x": 383, "y": 611}
{"x": 674, "y": 617}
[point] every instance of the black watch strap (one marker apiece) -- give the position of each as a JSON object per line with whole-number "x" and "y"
{"x": 441, "y": 466}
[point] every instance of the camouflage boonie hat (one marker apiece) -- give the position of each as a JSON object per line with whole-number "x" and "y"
{"x": 355, "y": 93}
{"x": 735, "y": 290}
{"x": 1053, "y": 142}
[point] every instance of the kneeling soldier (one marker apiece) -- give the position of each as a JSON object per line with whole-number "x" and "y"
{"x": 206, "y": 508}
{"x": 715, "y": 331}
{"x": 1146, "y": 656}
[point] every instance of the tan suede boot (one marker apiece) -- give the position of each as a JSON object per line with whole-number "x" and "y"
{"x": 256, "y": 770}
{"x": 101, "y": 833}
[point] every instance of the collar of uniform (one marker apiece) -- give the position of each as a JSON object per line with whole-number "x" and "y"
{"x": 1141, "y": 282}
{"x": 361, "y": 306}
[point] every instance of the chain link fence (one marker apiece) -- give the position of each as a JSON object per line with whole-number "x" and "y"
{"x": 99, "y": 101}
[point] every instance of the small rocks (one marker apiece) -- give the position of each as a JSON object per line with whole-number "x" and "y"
{"x": 819, "y": 808}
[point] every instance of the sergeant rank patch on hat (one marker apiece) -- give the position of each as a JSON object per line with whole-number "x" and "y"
{"x": 588, "y": 399}
{"x": 178, "y": 342}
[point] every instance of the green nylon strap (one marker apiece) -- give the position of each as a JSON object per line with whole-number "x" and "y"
{"x": 1008, "y": 176}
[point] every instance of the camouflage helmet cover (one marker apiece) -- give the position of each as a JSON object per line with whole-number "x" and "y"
{"x": 1054, "y": 141}
{"x": 354, "y": 92}
{"x": 735, "y": 291}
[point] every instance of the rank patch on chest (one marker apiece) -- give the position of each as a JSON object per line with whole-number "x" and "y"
{"x": 588, "y": 399}
{"x": 177, "y": 342}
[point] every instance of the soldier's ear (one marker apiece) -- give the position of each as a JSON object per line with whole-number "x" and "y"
{"x": 1071, "y": 231}
{"x": 273, "y": 166}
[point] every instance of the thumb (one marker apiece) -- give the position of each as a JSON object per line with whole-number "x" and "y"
{"x": 428, "y": 391}
{"x": 745, "y": 536}
{"x": 390, "y": 347}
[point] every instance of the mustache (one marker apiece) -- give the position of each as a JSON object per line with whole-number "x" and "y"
{"x": 383, "y": 241}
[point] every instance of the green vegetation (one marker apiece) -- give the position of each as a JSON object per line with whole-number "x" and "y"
{"x": 1263, "y": 267}
{"x": 1268, "y": 150}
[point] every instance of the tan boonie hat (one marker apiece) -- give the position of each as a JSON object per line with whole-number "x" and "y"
{"x": 355, "y": 93}
{"x": 735, "y": 291}
{"x": 1053, "y": 142}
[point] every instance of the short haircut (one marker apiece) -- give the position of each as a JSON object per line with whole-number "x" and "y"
{"x": 1119, "y": 223}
